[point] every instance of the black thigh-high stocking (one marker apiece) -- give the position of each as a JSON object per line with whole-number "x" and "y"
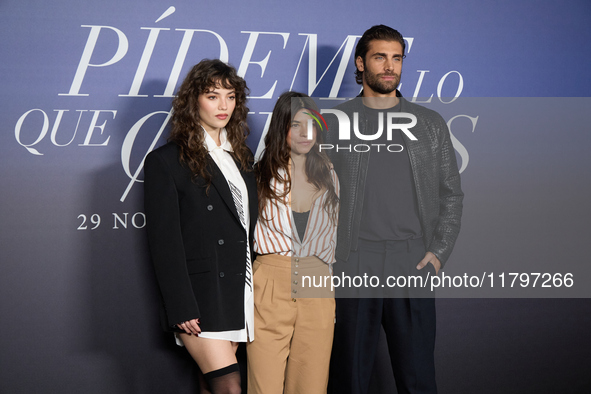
{"x": 224, "y": 380}
{"x": 203, "y": 386}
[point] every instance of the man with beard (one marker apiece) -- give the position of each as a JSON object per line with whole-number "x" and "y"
{"x": 400, "y": 216}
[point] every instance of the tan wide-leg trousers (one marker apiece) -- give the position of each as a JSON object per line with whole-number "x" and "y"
{"x": 293, "y": 336}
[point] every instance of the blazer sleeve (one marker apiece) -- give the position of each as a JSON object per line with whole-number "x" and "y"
{"x": 163, "y": 223}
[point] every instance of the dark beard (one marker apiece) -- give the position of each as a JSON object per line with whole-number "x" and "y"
{"x": 378, "y": 86}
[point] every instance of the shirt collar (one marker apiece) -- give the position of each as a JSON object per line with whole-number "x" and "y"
{"x": 211, "y": 145}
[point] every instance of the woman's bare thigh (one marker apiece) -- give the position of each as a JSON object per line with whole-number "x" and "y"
{"x": 210, "y": 354}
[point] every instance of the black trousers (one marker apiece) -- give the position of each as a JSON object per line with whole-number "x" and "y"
{"x": 409, "y": 323}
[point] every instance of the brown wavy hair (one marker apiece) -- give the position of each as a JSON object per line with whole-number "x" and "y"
{"x": 186, "y": 131}
{"x": 276, "y": 156}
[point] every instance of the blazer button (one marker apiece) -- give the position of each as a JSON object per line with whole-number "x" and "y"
{"x": 221, "y": 274}
{"x": 221, "y": 242}
{"x": 210, "y": 207}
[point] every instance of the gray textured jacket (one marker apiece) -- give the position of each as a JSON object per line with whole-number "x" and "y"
{"x": 435, "y": 174}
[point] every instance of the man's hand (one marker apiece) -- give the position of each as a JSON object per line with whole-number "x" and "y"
{"x": 430, "y": 258}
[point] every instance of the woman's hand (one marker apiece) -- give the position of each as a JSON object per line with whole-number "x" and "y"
{"x": 190, "y": 326}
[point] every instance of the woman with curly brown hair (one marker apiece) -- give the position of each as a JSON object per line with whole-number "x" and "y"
{"x": 295, "y": 239}
{"x": 201, "y": 209}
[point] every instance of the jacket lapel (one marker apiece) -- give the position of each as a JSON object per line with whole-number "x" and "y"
{"x": 411, "y": 146}
{"x": 251, "y": 186}
{"x": 221, "y": 185}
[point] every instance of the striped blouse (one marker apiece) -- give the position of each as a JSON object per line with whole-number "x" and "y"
{"x": 279, "y": 235}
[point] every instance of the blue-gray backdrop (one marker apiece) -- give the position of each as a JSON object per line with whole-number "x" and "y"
{"x": 86, "y": 87}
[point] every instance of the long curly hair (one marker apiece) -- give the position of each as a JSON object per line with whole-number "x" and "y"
{"x": 186, "y": 131}
{"x": 276, "y": 156}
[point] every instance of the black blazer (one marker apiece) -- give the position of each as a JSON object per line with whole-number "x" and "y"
{"x": 197, "y": 243}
